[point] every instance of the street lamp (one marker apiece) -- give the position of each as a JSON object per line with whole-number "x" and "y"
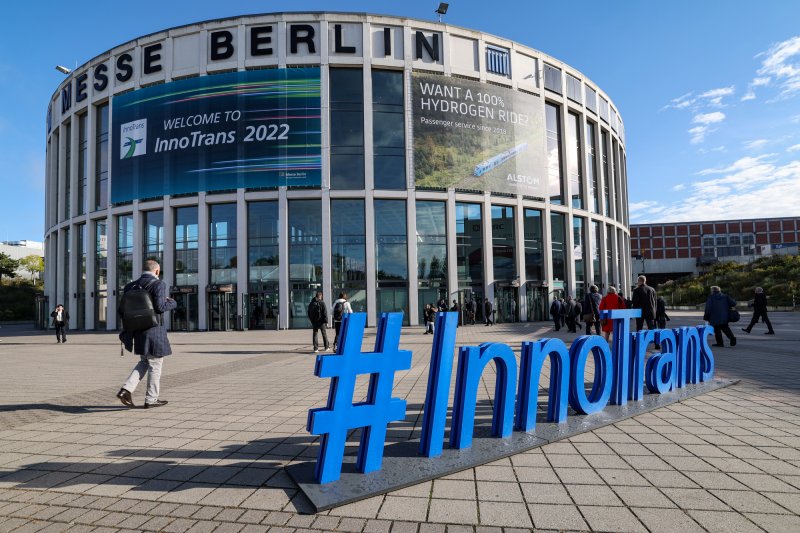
{"x": 62, "y": 69}
{"x": 442, "y": 9}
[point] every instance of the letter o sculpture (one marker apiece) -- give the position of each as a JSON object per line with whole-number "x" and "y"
{"x": 601, "y": 388}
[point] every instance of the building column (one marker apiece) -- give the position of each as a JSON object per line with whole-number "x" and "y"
{"x": 413, "y": 272}
{"x": 452, "y": 259}
{"x": 283, "y": 262}
{"x": 488, "y": 251}
{"x": 202, "y": 262}
{"x": 519, "y": 235}
{"x": 547, "y": 253}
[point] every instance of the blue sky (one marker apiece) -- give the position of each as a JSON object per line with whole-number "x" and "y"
{"x": 709, "y": 91}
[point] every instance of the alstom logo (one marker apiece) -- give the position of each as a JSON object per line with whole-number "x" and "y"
{"x": 133, "y": 139}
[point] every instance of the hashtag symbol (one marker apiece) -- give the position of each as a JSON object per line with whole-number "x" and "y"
{"x": 341, "y": 415}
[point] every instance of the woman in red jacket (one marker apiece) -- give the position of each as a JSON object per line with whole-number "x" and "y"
{"x": 610, "y": 301}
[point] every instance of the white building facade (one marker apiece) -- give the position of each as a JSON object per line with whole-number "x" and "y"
{"x": 260, "y": 159}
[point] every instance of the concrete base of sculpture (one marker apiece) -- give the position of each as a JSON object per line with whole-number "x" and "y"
{"x": 403, "y": 466}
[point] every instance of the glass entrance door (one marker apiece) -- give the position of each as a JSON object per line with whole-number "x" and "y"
{"x": 506, "y": 305}
{"x": 535, "y": 303}
{"x": 262, "y": 310}
{"x": 466, "y": 297}
{"x": 184, "y": 316}
{"x": 430, "y": 296}
{"x": 221, "y": 311}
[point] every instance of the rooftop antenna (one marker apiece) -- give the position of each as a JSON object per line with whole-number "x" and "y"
{"x": 442, "y": 9}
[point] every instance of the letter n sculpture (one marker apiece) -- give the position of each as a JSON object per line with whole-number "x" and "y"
{"x": 341, "y": 415}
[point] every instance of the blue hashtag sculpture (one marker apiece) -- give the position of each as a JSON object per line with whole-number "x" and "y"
{"x": 341, "y": 415}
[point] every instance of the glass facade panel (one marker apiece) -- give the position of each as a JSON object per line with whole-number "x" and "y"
{"x": 554, "y": 171}
{"x": 100, "y": 275}
{"x": 347, "y": 128}
{"x": 534, "y": 256}
{"x": 305, "y": 258}
{"x": 388, "y": 129}
{"x": 606, "y": 175}
{"x": 503, "y": 243}
{"x": 153, "y": 246}
{"x": 391, "y": 257}
{"x": 574, "y": 89}
{"x": 591, "y": 169}
{"x": 591, "y": 99}
{"x": 574, "y": 159}
{"x": 83, "y": 166}
{"x": 80, "y": 308}
{"x": 222, "y": 244}
{"x": 68, "y": 172}
{"x": 558, "y": 237}
{"x": 431, "y": 253}
{"x": 578, "y": 255}
{"x": 125, "y": 246}
{"x": 597, "y": 274}
{"x": 101, "y": 159}
{"x": 349, "y": 252}
{"x": 65, "y": 294}
{"x": 262, "y": 244}
{"x": 552, "y": 79}
{"x": 610, "y": 255}
{"x": 186, "y": 242}
{"x": 469, "y": 244}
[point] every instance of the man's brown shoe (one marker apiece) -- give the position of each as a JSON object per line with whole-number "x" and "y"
{"x": 124, "y": 396}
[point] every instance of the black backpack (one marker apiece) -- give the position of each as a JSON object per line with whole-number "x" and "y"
{"x": 314, "y": 314}
{"x": 136, "y": 309}
{"x": 338, "y": 311}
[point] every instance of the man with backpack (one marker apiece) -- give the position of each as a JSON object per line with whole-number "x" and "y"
{"x": 341, "y": 307}
{"x": 318, "y": 316}
{"x": 141, "y": 307}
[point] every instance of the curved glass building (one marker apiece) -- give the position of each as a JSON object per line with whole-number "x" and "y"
{"x": 262, "y": 158}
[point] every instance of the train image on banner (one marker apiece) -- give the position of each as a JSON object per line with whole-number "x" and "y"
{"x": 495, "y": 161}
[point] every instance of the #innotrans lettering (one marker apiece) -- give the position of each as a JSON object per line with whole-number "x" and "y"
{"x": 621, "y": 373}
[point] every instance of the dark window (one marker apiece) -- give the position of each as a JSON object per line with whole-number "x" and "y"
{"x": 574, "y": 89}
{"x": 100, "y": 275}
{"x": 391, "y": 257}
{"x": 595, "y": 246}
{"x": 604, "y": 109}
{"x": 574, "y": 159}
{"x": 503, "y": 243}
{"x": 83, "y": 166}
{"x": 153, "y": 246}
{"x": 578, "y": 253}
{"x": 388, "y": 130}
{"x": 534, "y": 255}
{"x": 348, "y": 252}
{"x": 469, "y": 244}
{"x": 305, "y": 258}
{"x": 554, "y": 174}
{"x": 591, "y": 99}
{"x": 101, "y": 159}
{"x": 591, "y": 168}
{"x": 431, "y": 253}
{"x": 498, "y": 61}
{"x": 262, "y": 242}
{"x": 125, "y": 246}
{"x": 222, "y": 244}
{"x": 552, "y": 79}
{"x": 186, "y": 238}
{"x": 559, "y": 245}
{"x": 606, "y": 175}
{"x": 68, "y": 172}
{"x": 347, "y": 128}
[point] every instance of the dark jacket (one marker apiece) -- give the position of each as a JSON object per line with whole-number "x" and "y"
{"x": 577, "y": 310}
{"x": 64, "y": 316}
{"x": 487, "y": 308}
{"x": 661, "y": 309}
{"x": 759, "y": 303}
{"x": 591, "y": 304}
{"x": 321, "y": 311}
{"x": 644, "y": 298}
{"x": 430, "y": 314}
{"x": 717, "y": 307}
{"x": 151, "y": 342}
{"x": 555, "y": 308}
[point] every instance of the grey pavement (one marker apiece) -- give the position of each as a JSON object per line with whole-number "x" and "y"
{"x": 73, "y": 459}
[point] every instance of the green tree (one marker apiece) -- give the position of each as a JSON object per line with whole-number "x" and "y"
{"x": 8, "y": 266}
{"x": 33, "y": 264}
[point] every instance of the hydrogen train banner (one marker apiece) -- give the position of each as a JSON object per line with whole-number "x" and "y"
{"x": 258, "y": 128}
{"x": 472, "y": 135}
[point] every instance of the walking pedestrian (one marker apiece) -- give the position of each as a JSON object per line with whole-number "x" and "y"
{"x": 569, "y": 314}
{"x": 578, "y": 314}
{"x": 60, "y": 322}
{"x": 555, "y": 313}
{"x": 760, "y": 311}
{"x": 563, "y": 312}
{"x": 341, "y": 307}
{"x": 591, "y": 310}
{"x": 661, "y": 313}
{"x": 717, "y": 313}
{"x": 150, "y": 344}
{"x": 488, "y": 311}
{"x": 429, "y": 314}
{"x": 644, "y": 298}
{"x": 610, "y": 301}
{"x": 472, "y": 309}
{"x": 318, "y": 316}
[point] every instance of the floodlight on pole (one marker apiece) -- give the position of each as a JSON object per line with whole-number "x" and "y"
{"x": 62, "y": 69}
{"x": 442, "y": 9}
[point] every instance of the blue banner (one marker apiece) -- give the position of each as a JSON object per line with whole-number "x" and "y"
{"x": 248, "y": 129}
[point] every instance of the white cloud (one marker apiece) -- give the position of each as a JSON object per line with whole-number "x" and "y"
{"x": 781, "y": 66}
{"x": 712, "y": 98}
{"x": 708, "y": 118}
{"x": 698, "y": 134}
{"x": 749, "y": 95}
{"x": 755, "y": 144}
{"x": 742, "y": 190}
{"x": 758, "y": 82}
{"x": 641, "y": 206}
{"x": 679, "y": 187}
{"x": 794, "y": 148}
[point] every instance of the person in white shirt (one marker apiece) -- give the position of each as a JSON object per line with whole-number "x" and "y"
{"x": 340, "y": 308}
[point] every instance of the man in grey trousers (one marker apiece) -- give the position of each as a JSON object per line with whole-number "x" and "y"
{"x": 151, "y": 345}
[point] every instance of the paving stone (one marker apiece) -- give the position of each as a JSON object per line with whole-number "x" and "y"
{"x": 453, "y": 511}
{"x": 746, "y": 501}
{"x": 504, "y": 514}
{"x": 378, "y": 526}
{"x": 404, "y": 527}
{"x": 776, "y": 523}
{"x": 642, "y": 497}
{"x": 557, "y": 517}
{"x": 403, "y": 508}
{"x": 723, "y": 522}
{"x": 618, "y": 519}
{"x": 495, "y": 491}
{"x": 454, "y": 489}
{"x": 545, "y": 493}
{"x": 593, "y": 495}
{"x": 658, "y": 520}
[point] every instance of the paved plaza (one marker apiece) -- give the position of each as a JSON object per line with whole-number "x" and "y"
{"x": 72, "y": 458}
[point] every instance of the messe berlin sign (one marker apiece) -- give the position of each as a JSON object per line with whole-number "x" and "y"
{"x": 622, "y": 371}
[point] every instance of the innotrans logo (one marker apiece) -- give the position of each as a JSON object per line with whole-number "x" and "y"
{"x": 133, "y": 139}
